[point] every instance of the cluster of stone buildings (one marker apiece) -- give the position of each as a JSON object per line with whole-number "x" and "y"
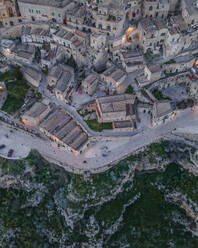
{"x": 114, "y": 42}
{"x": 92, "y": 31}
{"x": 58, "y": 125}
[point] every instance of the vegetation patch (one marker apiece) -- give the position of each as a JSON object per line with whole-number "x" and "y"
{"x": 99, "y": 127}
{"x": 129, "y": 90}
{"x": 45, "y": 70}
{"x": 71, "y": 62}
{"x": 171, "y": 61}
{"x": 159, "y": 96}
{"x": 17, "y": 88}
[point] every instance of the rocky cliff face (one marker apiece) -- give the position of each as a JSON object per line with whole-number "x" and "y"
{"x": 147, "y": 200}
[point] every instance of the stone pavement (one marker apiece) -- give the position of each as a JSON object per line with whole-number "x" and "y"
{"x": 23, "y": 143}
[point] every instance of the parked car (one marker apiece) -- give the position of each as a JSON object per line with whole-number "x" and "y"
{"x": 2, "y": 146}
{"x": 10, "y": 153}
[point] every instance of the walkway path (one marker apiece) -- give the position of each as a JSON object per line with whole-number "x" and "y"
{"x": 97, "y": 164}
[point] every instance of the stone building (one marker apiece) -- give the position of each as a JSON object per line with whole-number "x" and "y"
{"x": 90, "y": 84}
{"x": 155, "y": 9}
{"x": 65, "y": 131}
{"x": 134, "y": 10}
{"x": 23, "y": 54}
{"x": 36, "y": 114}
{"x": 162, "y": 112}
{"x": 190, "y": 12}
{"x": 8, "y": 11}
{"x": 119, "y": 109}
{"x": 61, "y": 79}
{"x": 36, "y": 35}
{"x": 98, "y": 41}
{"x": 152, "y": 34}
{"x": 51, "y": 56}
{"x": 132, "y": 60}
{"x": 110, "y": 18}
{"x": 63, "y": 37}
{"x": 32, "y": 75}
{"x": 76, "y": 15}
{"x": 184, "y": 63}
{"x": 44, "y": 10}
{"x": 114, "y": 79}
{"x": 153, "y": 73}
{"x": 180, "y": 36}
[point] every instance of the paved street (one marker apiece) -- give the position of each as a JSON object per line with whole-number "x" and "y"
{"x": 96, "y": 163}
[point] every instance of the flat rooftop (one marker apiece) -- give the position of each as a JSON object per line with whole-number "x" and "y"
{"x": 64, "y": 34}
{"x": 114, "y": 73}
{"x": 163, "y": 108}
{"x": 154, "y": 68}
{"x": 123, "y": 124}
{"x": 152, "y": 25}
{"x": 32, "y": 72}
{"x": 132, "y": 54}
{"x": 36, "y": 110}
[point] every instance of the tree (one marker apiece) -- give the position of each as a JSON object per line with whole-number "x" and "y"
{"x": 129, "y": 90}
{"x": 18, "y": 73}
{"x": 71, "y": 62}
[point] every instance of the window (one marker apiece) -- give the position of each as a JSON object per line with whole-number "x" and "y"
{"x": 108, "y": 28}
{"x": 151, "y": 8}
{"x": 30, "y": 10}
{"x": 163, "y": 34}
{"x": 100, "y": 26}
